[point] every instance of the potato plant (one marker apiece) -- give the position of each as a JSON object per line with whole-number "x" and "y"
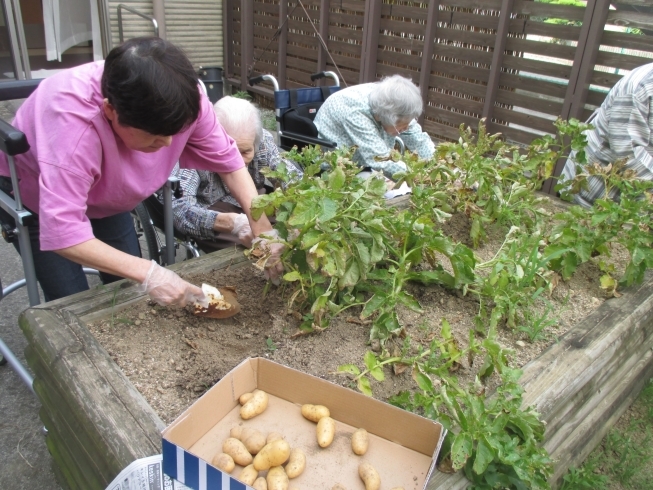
{"x": 348, "y": 249}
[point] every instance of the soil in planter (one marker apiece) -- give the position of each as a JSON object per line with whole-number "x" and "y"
{"x": 172, "y": 357}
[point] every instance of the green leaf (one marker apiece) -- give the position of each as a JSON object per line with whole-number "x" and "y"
{"x": 423, "y": 381}
{"x": 351, "y": 276}
{"x": 363, "y": 253}
{"x": 303, "y": 213}
{"x": 569, "y": 265}
{"x": 377, "y": 373}
{"x": 370, "y": 360}
{"x": 364, "y": 386}
{"x": 410, "y": 302}
{"x": 461, "y": 449}
{"x": 446, "y": 330}
{"x": 373, "y": 304}
{"x": 484, "y": 456}
{"x": 336, "y": 179}
{"x": 328, "y": 210}
{"x": 310, "y": 238}
{"x": 292, "y": 276}
{"x": 378, "y": 249}
{"x": 349, "y": 368}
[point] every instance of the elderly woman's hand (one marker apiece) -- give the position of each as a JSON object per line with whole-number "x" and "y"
{"x": 242, "y": 230}
{"x": 270, "y": 246}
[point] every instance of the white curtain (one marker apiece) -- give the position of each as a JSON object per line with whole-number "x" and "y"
{"x": 70, "y": 22}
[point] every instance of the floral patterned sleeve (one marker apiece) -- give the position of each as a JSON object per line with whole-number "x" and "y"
{"x": 190, "y": 216}
{"x": 269, "y": 156}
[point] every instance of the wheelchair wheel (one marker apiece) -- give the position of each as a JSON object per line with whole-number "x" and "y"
{"x": 148, "y": 239}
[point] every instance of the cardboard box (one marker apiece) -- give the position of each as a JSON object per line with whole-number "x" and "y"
{"x": 403, "y": 446}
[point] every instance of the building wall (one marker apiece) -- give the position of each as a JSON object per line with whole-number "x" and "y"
{"x": 194, "y": 25}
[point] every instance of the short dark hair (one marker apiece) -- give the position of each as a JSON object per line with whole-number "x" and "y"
{"x": 152, "y": 86}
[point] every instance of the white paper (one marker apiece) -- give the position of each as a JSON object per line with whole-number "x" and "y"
{"x": 400, "y": 191}
{"x": 145, "y": 474}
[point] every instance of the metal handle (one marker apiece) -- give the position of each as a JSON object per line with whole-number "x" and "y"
{"x": 256, "y": 80}
{"x": 326, "y": 74}
{"x": 136, "y": 12}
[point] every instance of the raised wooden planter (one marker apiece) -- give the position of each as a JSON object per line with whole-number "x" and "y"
{"x": 98, "y": 422}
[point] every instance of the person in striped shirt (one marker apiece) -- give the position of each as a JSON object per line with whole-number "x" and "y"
{"x": 623, "y": 129}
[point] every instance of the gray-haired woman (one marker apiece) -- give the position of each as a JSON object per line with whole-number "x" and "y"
{"x": 370, "y": 115}
{"x": 207, "y": 210}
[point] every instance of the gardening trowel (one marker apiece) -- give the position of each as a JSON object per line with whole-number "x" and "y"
{"x": 222, "y": 303}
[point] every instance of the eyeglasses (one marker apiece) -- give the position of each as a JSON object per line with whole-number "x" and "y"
{"x": 404, "y": 128}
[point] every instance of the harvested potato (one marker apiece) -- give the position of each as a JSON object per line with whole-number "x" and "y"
{"x": 273, "y": 436}
{"x": 369, "y": 476}
{"x": 237, "y": 450}
{"x": 248, "y": 475}
{"x": 274, "y": 454}
{"x": 224, "y": 462}
{"x": 339, "y": 486}
{"x": 260, "y": 484}
{"x": 255, "y": 405}
{"x": 315, "y": 412}
{"x": 245, "y": 397}
{"x": 326, "y": 429}
{"x": 360, "y": 441}
{"x": 253, "y": 440}
{"x": 296, "y": 463}
{"x": 236, "y": 432}
{"x": 277, "y": 479}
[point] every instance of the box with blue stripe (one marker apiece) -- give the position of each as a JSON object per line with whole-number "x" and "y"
{"x": 403, "y": 446}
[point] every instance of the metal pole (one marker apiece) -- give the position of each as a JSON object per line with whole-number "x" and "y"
{"x": 23, "y": 240}
{"x": 25, "y": 376}
{"x": 13, "y": 40}
{"x": 158, "y": 9}
{"x": 167, "y": 222}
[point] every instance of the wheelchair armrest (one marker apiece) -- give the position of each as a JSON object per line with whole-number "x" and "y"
{"x": 12, "y": 141}
{"x": 18, "y": 89}
{"x": 307, "y": 139}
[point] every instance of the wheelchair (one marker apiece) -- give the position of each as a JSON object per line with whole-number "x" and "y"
{"x": 295, "y": 111}
{"x": 152, "y": 218}
{"x": 12, "y": 143}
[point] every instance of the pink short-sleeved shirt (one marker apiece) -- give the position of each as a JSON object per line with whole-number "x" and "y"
{"x": 77, "y": 168}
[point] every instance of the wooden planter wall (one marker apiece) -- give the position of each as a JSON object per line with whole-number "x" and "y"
{"x": 98, "y": 423}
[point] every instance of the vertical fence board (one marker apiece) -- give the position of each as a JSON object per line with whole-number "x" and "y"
{"x": 324, "y": 33}
{"x": 427, "y": 53}
{"x": 497, "y": 58}
{"x": 227, "y": 37}
{"x": 370, "y": 41}
{"x": 283, "y": 43}
{"x": 246, "y": 40}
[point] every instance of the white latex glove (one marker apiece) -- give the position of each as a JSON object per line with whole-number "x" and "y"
{"x": 242, "y": 230}
{"x": 272, "y": 268}
{"x": 167, "y": 288}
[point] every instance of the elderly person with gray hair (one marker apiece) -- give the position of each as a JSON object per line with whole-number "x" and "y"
{"x": 370, "y": 116}
{"x": 206, "y": 210}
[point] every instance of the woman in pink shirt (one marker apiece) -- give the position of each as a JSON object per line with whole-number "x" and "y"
{"x": 103, "y": 137}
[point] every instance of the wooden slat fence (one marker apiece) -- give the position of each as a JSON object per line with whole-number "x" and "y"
{"x": 516, "y": 63}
